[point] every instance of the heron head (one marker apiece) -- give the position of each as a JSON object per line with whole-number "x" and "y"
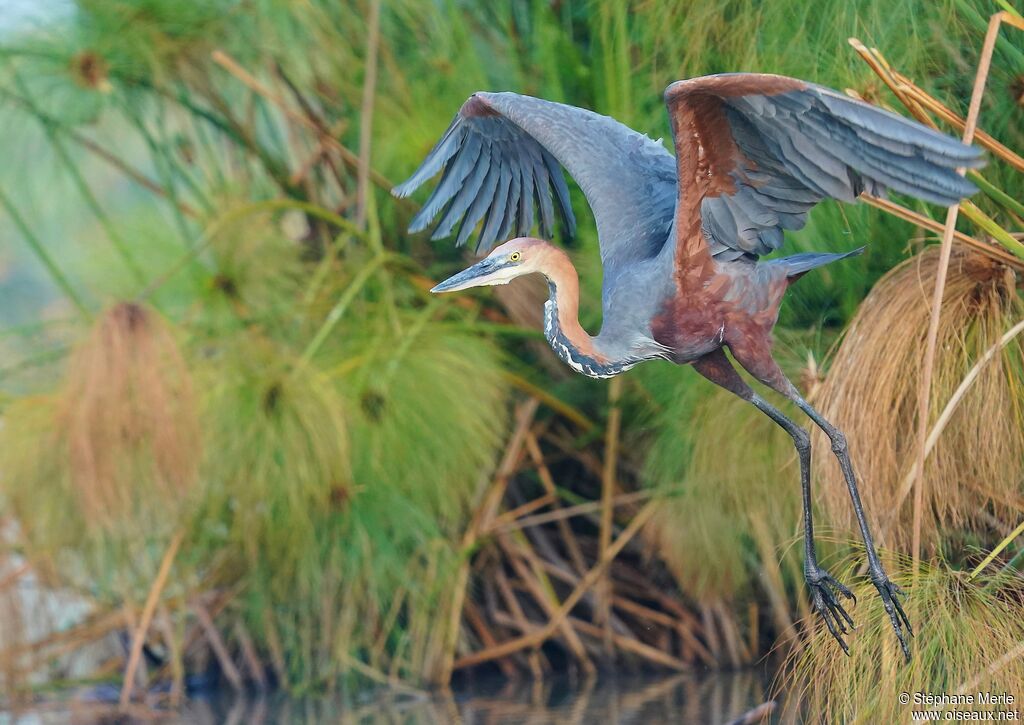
{"x": 512, "y": 259}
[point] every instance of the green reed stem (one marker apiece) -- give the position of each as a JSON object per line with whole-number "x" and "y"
{"x": 995, "y": 552}
{"x": 44, "y": 257}
{"x": 996, "y": 194}
{"x": 78, "y": 179}
{"x": 336, "y": 313}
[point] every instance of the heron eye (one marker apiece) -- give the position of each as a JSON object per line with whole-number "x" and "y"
{"x": 515, "y": 256}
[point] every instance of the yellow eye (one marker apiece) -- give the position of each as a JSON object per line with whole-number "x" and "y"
{"x": 515, "y": 256}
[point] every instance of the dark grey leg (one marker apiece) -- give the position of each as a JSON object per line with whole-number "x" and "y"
{"x": 886, "y": 589}
{"x": 825, "y": 589}
{"x": 760, "y": 364}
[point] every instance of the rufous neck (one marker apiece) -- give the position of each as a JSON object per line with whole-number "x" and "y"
{"x": 564, "y": 286}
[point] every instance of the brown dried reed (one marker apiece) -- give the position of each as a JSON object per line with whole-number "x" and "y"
{"x": 969, "y": 641}
{"x": 127, "y": 419}
{"x": 871, "y": 392}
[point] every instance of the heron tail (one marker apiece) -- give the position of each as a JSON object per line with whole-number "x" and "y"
{"x": 798, "y": 265}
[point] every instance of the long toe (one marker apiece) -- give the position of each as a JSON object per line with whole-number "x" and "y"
{"x": 824, "y": 590}
{"x": 890, "y": 600}
{"x": 832, "y": 620}
{"x": 840, "y": 587}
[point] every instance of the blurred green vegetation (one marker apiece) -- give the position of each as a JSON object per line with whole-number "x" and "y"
{"x": 201, "y": 163}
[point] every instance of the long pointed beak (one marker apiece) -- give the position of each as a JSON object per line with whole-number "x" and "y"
{"x": 474, "y": 276}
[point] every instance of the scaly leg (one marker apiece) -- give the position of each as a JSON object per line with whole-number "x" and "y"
{"x": 765, "y": 369}
{"x": 825, "y": 589}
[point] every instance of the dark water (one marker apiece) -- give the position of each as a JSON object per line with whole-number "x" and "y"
{"x": 715, "y": 699}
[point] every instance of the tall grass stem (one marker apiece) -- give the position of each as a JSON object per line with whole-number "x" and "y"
{"x": 940, "y": 284}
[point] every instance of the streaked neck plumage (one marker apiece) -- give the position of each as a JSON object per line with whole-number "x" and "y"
{"x": 562, "y": 327}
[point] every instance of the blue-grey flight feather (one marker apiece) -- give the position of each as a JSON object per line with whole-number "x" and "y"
{"x": 769, "y": 148}
{"x": 628, "y": 179}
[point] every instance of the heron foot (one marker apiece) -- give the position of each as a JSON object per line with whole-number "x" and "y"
{"x": 825, "y": 593}
{"x": 890, "y": 600}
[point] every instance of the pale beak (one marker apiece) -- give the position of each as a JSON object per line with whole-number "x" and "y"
{"x": 476, "y": 276}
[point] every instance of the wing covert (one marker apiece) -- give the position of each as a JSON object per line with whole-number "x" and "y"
{"x": 756, "y": 152}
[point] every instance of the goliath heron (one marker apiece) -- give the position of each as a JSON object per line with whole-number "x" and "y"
{"x": 681, "y": 238}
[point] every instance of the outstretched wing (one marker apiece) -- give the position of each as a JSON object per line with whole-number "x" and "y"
{"x": 755, "y": 152}
{"x": 501, "y": 157}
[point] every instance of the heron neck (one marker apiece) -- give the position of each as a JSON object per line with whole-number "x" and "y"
{"x": 564, "y": 298}
{"x": 562, "y": 328}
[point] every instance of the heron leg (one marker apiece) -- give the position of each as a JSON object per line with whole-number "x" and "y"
{"x": 825, "y": 589}
{"x": 765, "y": 369}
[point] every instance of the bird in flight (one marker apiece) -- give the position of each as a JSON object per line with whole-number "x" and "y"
{"x": 682, "y": 236}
